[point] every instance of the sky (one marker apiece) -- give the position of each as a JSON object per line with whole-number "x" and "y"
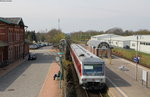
{"x": 79, "y": 15}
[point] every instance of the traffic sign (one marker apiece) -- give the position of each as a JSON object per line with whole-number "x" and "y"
{"x": 60, "y": 53}
{"x": 136, "y": 59}
{"x": 57, "y": 59}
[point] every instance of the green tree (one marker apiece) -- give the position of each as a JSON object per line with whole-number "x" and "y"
{"x": 30, "y": 35}
{"x": 54, "y": 36}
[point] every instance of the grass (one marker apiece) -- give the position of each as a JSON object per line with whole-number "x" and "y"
{"x": 130, "y": 54}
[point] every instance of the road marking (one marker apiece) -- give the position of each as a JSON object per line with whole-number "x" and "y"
{"x": 122, "y": 93}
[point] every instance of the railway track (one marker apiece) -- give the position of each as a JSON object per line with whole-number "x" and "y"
{"x": 90, "y": 94}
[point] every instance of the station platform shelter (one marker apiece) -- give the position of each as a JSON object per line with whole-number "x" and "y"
{"x": 99, "y": 48}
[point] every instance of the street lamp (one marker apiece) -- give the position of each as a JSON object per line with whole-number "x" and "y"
{"x": 110, "y": 59}
{"x": 137, "y": 59}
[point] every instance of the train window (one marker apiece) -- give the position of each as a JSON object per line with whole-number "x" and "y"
{"x": 92, "y": 69}
{"x": 81, "y": 55}
{"x": 88, "y": 67}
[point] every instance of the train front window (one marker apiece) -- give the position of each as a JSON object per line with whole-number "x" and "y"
{"x": 92, "y": 69}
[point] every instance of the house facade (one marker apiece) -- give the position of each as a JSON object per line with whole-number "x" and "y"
{"x": 12, "y": 37}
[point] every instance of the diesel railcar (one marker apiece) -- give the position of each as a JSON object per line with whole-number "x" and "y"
{"x": 90, "y": 69}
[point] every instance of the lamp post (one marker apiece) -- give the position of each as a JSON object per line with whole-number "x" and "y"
{"x": 61, "y": 68}
{"x": 110, "y": 59}
{"x": 137, "y": 59}
{"x": 60, "y": 71}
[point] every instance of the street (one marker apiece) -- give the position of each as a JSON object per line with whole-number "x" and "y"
{"x": 27, "y": 79}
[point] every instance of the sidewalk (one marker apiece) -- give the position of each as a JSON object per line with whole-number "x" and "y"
{"x": 51, "y": 87}
{"x": 10, "y": 67}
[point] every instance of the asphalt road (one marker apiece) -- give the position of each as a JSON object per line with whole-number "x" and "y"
{"x": 27, "y": 79}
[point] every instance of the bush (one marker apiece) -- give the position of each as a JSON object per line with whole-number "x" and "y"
{"x": 130, "y": 54}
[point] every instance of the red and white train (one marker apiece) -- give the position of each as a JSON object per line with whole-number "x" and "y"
{"x": 90, "y": 69}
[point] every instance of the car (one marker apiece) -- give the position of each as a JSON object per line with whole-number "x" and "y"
{"x": 32, "y": 57}
{"x": 126, "y": 47}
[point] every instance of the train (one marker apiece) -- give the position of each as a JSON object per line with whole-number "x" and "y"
{"x": 90, "y": 69}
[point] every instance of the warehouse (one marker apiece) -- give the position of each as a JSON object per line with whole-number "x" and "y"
{"x": 136, "y": 42}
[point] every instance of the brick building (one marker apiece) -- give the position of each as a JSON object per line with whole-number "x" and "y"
{"x": 12, "y": 39}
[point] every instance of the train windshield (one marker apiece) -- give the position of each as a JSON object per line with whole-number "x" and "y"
{"x": 93, "y": 69}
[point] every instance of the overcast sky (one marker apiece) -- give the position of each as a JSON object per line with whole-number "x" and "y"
{"x": 80, "y": 15}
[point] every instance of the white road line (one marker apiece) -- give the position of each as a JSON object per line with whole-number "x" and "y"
{"x": 122, "y": 93}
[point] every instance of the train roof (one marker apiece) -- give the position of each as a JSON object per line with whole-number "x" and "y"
{"x": 85, "y": 56}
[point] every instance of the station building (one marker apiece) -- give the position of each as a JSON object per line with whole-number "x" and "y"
{"x": 136, "y": 42}
{"x": 12, "y": 40}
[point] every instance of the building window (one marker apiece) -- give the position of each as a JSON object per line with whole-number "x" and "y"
{"x": 147, "y": 43}
{"x": 142, "y": 43}
{"x": 133, "y": 44}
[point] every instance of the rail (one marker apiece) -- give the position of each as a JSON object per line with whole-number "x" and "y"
{"x": 90, "y": 94}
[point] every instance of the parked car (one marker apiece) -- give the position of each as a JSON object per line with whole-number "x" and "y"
{"x": 32, "y": 57}
{"x": 126, "y": 47}
{"x": 33, "y": 46}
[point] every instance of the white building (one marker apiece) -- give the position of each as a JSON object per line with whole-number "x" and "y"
{"x": 140, "y": 42}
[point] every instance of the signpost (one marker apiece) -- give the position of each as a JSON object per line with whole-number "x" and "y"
{"x": 62, "y": 49}
{"x": 61, "y": 66}
{"x": 136, "y": 59}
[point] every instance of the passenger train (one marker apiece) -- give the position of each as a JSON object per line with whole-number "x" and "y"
{"x": 90, "y": 69}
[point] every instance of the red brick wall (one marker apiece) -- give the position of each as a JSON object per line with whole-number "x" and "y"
{"x": 1, "y": 52}
{"x": 14, "y": 35}
{"x": 3, "y": 31}
{"x": 26, "y": 50}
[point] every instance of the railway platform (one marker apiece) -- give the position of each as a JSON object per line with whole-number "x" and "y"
{"x": 51, "y": 87}
{"x": 123, "y": 83}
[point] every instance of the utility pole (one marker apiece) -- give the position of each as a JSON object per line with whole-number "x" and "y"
{"x": 137, "y": 59}
{"x": 60, "y": 83}
{"x": 110, "y": 52}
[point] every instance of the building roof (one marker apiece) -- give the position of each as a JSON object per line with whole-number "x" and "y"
{"x": 113, "y": 37}
{"x": 144, "y": 38}
{"x": 5, "y": 21}
{"x": 13, "y": 20}
{"x": 102, "y": 36}
{"x": 85, "y": 56}
{"x": 94, "y": 43}
{"x": 97, "y": 43}
{"x": 2, "y": 44}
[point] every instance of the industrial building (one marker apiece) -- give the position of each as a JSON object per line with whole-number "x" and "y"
{"x": 136, "y": 42}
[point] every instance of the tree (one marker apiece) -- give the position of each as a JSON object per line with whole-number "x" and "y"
{"x": 54, "y": 36}
{"x": 30, "y": 35}
{"x": 41, "y": 37}
{"x": 118, "y": 31}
